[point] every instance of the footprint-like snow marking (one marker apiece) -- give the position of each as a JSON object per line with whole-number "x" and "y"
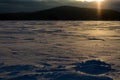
{"x": 93, "y": 67}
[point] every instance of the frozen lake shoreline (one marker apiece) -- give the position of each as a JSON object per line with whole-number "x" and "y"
{"x": 55, "y": 50}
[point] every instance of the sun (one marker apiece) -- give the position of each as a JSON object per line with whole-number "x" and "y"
{"x": 99, "y": 5}
{"x": 94, "y": 0}
{"x": 91, "y": 0}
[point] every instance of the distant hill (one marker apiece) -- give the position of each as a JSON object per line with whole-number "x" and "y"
{"x": 64, "y": 13}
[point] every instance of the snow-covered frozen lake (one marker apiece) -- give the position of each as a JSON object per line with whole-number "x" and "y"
{"x": 59, "y": 50}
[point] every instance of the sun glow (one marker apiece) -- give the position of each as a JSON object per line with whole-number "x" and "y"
{"x": 98, "y": 2}
{"x": 91, "y": 0}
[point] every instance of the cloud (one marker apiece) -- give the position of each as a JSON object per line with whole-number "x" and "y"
{"x": 34, "y": 5}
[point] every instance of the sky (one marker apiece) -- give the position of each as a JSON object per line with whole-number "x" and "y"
{"x": 8, "y": 6}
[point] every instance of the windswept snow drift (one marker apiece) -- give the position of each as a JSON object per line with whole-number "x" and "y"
{"x": 59, "y": 50}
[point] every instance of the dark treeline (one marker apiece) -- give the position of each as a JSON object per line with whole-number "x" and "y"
{"x": 64, "y": 13}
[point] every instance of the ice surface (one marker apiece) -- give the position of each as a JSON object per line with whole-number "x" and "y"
{"x": 59, "y": 50}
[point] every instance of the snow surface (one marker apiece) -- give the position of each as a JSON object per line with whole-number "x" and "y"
{"x": 59, "y": 50}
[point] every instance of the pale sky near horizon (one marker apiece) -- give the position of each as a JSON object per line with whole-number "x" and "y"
{"x": 34, "y": 5}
